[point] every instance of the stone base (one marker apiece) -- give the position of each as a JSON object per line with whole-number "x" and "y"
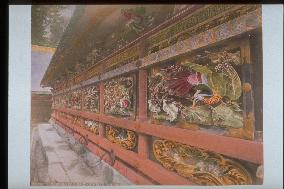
{"x": 58, "y": 159}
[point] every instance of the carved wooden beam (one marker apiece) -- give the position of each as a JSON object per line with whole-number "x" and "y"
{"x": 224, "y": 31}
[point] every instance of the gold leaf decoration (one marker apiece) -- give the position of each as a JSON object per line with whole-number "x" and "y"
{"x": 200, "y": 166}
{"x": 120, "y": 96}
{"x": 124, "y": 138}
{"x": 92, "y": 126}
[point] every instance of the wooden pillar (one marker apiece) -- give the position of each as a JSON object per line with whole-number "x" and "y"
{"x": 143, "y": 146}
{"x": 247, "y": 132}
{"x": 142, "y": 95}
{"x": 247, "y": 82}
{"x": 143, "y": 140}
{"x": 102, "y": 131}
{"x": 102, "y": 97}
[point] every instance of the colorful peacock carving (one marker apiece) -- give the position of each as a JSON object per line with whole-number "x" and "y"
{"x": 205, "y": 91}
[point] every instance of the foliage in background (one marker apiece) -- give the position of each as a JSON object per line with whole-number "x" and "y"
{"x": 48, "y": 24}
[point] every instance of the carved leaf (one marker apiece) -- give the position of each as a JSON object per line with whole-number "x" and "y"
{"x": 234, "y": 86}
{"x": 227, "y": 83}
{"x": 218, "y": 83}
{"x": 198, "y": 68}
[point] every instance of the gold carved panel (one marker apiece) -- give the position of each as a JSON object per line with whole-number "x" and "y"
{"x": 92, "y": 126}
{"x": 123, "y": 137}
{"x": 120, "y": 96}
{"x": 91, "y": 98}
{"x": 200, "y": 166}
{"x": 202, "y": 20}
{"x": 128, "y": 55}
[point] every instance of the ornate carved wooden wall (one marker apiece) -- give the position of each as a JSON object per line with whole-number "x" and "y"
{"x": 206, "y": 90}
{"x": 183, "y": 113}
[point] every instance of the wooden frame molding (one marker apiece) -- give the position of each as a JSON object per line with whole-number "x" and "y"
{"x": 247, "y": 150}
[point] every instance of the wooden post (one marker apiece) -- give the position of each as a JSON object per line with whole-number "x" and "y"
{"x": 102, "y": 131}
{"x": 102, "y": 97}
{"x": 143, "y": 140}
{"x": 142, "y": 95}
{"x": 248, "y": 101}
{"x": 247, "y": 132}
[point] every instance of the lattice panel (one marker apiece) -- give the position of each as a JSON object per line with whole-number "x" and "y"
{"x": 120, "y": 96}
{"x": 91, "y": 98}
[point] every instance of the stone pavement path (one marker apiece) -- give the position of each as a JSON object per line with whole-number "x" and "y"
{"x": 58, "y": 159}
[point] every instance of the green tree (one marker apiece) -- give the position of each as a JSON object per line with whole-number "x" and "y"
{"x": 48, "y": 24}
{"x": 39, "y": 22}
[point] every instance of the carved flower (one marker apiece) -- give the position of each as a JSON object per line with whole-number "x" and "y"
{"x": 194, "y": 79}
{"x": 124, "y": 103}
